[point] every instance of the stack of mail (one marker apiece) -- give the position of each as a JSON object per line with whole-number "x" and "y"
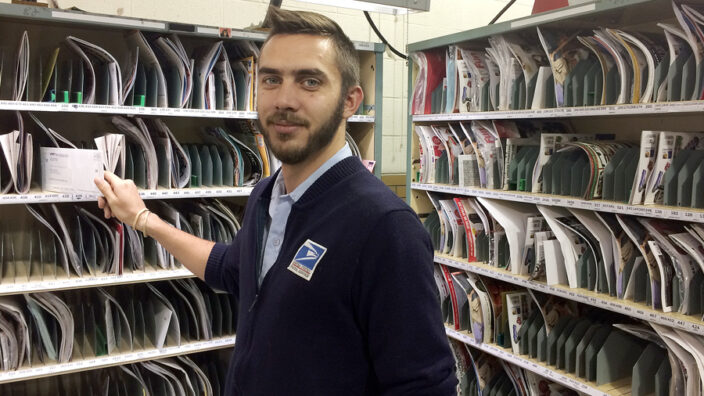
{"x": 58, "y": 327}
{"x": 631, "y": 358}
{"x": 193, "y": 374}
{"x": 645, "y": 260}
{"x": 156, "y": 71}
{"x": 61, "y": 241}
{"x": 481, "y": 373}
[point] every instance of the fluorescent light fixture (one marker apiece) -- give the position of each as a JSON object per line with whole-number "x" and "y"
{"x": 395, "y": 7}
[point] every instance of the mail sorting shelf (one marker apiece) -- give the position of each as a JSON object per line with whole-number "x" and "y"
{"x": 106, "y": 280}
{"x": 657, "y": 211}
{"x": 626, "y": 121}
{"x": 27, "y": 272}
{"x": 541, "y": 369}
{"x": 629, "y": 308}
{"x": 636, "y": 15}
{"x": 48, "y": 27}
{"x": 29, "y": 373}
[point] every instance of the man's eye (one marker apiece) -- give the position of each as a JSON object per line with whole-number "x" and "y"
{"x": 270, "y": 80}
{"x": 311, "y": 83}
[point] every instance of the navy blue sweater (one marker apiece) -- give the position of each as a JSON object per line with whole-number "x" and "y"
{"x": 366, "y": 323}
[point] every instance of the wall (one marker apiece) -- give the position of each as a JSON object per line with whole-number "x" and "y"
{"x": 445, "y": 17}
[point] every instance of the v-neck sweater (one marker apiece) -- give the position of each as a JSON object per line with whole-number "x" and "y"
{"x": 367, "y": 322}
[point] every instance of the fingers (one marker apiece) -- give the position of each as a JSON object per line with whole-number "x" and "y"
{"x": 105, "y": 187}
{"x": 111, "y": 177}
{"x": 103, "y": 204}
{"x": 120, "y": 197}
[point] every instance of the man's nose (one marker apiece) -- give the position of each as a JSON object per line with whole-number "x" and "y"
{"x": 286, "y": 97}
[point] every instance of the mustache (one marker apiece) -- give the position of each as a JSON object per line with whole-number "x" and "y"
{"x": 287, "y": 117}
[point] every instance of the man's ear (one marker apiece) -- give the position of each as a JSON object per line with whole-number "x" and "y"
{"x": 353, "y": 100}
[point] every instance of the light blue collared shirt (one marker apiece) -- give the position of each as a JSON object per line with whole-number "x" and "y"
{"x": 280, "y": 207}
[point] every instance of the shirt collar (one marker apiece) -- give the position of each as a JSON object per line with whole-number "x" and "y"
{"x": 279, "y": 188}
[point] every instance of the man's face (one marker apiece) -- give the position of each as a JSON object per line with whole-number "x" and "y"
{"x": 299, "y": 96}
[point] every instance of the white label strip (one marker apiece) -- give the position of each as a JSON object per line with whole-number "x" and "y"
{"x": 39, "y": 197}
{"x": 158, "y": 111}
{"x": 586, "y": 111}
{"x": 249, "y": 35}
{"x": 363, "y": 46}
{"x": 92, "y": 281}
{"x": 107, "y": 109}
{"x": 208, "y": 30}
{"x": 361, "y": 118}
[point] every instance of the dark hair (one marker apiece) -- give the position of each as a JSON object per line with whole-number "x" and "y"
{"x": 305, "y": 22}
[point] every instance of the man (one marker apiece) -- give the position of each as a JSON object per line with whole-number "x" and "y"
{"x": 333, "y": 272}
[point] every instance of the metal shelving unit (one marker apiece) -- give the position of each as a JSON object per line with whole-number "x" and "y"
{"x": 584, "y": 16}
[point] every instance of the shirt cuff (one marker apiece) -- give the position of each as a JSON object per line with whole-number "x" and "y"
{"x": 213, "y": 267}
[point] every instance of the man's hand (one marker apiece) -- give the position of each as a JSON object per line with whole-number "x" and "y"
{"x": 121, "y": 198}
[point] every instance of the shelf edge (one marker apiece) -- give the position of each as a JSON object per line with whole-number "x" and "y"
{"x": 115, "y": 360}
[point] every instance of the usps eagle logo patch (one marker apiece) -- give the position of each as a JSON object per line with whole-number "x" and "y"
{"x": 307, "y": 258}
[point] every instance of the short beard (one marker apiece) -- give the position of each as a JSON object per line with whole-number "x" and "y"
{"x": 317, "y": 140}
